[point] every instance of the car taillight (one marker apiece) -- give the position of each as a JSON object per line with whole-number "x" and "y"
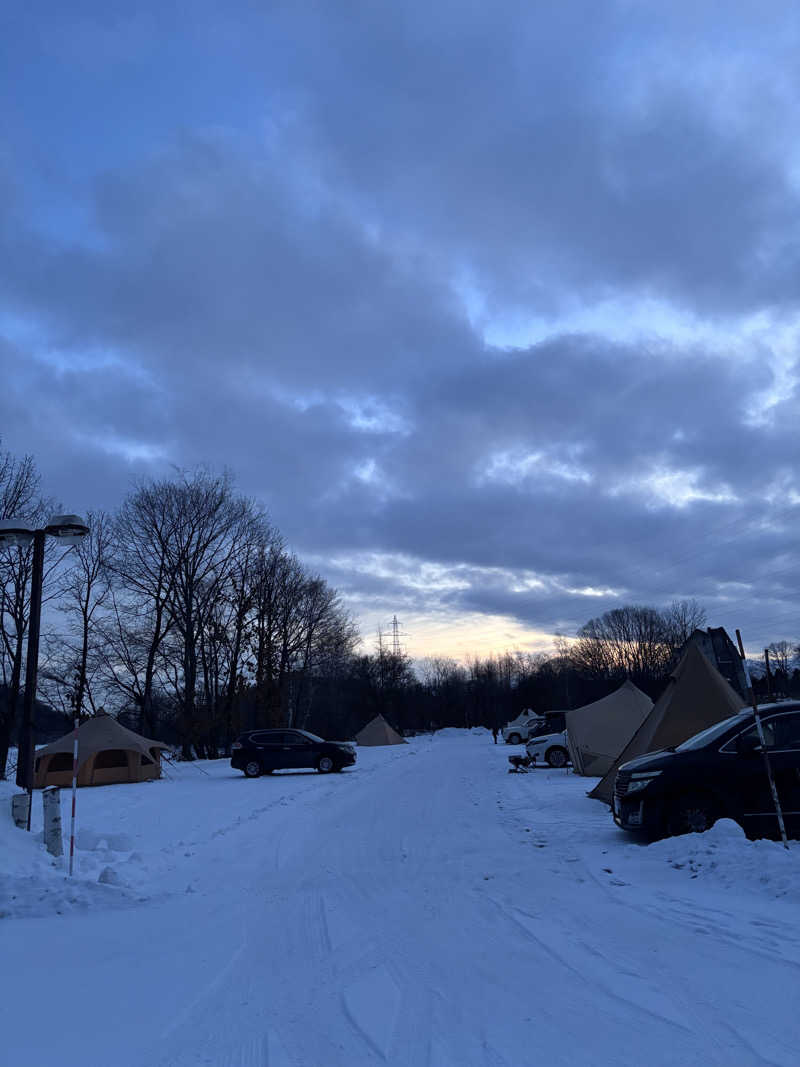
{"x": 237, "y": 744}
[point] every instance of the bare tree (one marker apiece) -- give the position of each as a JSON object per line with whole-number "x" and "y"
{"x": 84, "y": 590}
{"x": 682, "y": 618}
{"x": 782, "y": 654}
{"x": 207, "y": 523}
{"x": 325, "y": 632}
{"x": 139, "y": 617}
{"x": 633, "y": 640}
{"x": 19, "y": 498}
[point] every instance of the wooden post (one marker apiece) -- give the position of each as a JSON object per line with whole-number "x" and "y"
{"x": 19, "y": 810}
{"x": 51, "y": 805}
{"x": 764, "y": 753}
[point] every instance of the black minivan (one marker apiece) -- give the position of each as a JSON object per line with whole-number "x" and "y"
{"x": 718, "y": 773}
{"x": 264, "y": 751}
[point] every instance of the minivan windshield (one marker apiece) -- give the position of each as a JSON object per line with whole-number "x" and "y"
{"x": 311, "y": 737}
{"x": 705, "y": 737}
{"x": 539, "y": 729}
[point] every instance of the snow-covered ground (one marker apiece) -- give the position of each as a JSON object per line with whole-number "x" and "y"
{"x": 424, "y": 909}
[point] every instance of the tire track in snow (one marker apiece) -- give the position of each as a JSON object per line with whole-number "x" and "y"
{"x": 691, "y": 999}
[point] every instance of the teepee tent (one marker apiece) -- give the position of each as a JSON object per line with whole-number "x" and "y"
{"x": 697, "y": 696}
{"x": 107, "y": 753}
{"x": 598, "y": 732}
{"x": 379, "y": 732}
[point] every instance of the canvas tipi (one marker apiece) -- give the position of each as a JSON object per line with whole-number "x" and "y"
{"x": 379, "y": 732}
{"x": 107, "y": 753}
{"x": 697, "y": 696}
{"x": 598, "y": 732}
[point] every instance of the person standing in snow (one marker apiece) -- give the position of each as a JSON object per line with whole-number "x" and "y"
{"x": 494, "y": 733}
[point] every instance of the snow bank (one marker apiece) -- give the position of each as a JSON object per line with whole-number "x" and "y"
{"x": 725, "y": 857}
{"x": 34, "y": 884}
{"x": 462, "y": 732}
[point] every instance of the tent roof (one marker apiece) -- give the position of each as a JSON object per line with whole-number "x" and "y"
{"x": 597, "y": 732}
{"x": 379, "y": 732}
{"x": 99, "y": 733}
{"x": 696, "y": 696}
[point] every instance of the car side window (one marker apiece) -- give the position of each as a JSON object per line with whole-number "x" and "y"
{"x": 750, "y": 737}
{"x": 265, "y": 738}
{"x": 787, "y": 731}
{"x": 295, "y": 739}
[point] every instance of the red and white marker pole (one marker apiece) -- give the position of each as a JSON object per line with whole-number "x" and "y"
{"x": 74, "y": 791}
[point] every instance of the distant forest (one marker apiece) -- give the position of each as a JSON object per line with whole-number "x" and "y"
{"x": 186, "y": 614}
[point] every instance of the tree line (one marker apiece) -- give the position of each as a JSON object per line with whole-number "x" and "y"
{"x": 185, "y": 613}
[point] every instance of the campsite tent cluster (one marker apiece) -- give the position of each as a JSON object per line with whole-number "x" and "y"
{"x": 626, "y": 724}
{"x": 109, "y": 753}
{"x": 600, "y": 736}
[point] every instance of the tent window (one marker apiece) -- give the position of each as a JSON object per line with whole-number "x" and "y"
{"x": 111, "y": 757}
{"x": 60, "y": 761}
{"x": 146, "y": 761}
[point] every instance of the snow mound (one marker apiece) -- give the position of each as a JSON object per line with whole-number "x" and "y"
{"x": 725, "y": 856}
{"x": 34, "y": 884}
{"x": 462, "y": 731}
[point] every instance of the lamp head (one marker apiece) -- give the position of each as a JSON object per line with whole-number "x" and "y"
{"x": 15, "y": 532}
{"x": 67, "y": 529}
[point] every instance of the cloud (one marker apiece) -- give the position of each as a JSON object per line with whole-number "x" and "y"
{"x": 297, "y": 272}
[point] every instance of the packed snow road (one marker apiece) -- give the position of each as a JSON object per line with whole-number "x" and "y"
{"x": 425, "y": 909}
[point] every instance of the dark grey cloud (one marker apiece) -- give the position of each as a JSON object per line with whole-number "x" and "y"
{"x": 579, "y": 148}
{"x": 281, "y": 256}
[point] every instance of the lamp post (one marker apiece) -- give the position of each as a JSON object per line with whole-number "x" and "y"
{"x": 67, "y": 530}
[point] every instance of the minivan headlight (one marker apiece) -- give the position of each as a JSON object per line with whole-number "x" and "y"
{"x": 641, "y": 781}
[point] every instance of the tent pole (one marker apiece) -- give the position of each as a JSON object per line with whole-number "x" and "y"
{"x": 763, "y": 743}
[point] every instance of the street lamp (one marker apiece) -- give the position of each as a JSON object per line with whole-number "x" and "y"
{"x": 67, "y": 530}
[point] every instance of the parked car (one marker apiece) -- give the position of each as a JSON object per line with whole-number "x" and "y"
{"x": 550, "y": 748}
{"x": 526, "y": 726}
{"x": 718, "y": 773}
{"x": 264, "y": 751}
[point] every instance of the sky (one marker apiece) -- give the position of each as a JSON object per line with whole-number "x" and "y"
{"x": 495, "y": 307}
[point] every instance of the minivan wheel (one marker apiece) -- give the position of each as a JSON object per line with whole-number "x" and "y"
{"x": 325, "y": 765}
{"x": 691, "y": 815}
{"x": 514, "y": 739}
{"x": 252, "y": 769}
{"x": 556, "y": 757}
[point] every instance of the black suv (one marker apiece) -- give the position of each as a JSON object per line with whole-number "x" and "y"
{"x": 264, "y": 751}
{"x": 718, "y": 773}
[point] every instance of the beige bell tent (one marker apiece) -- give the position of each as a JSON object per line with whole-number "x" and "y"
{"x": 379, "y": 732}
{"x": 598, "y": 732}
{"x": 107, "y": 753}
{"x": 696, "y": 697}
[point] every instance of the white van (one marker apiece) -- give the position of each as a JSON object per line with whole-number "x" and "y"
{"x": 549, "y": 748}
{"x": 519, "y": 729}
{"x": 527, "y": 725}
